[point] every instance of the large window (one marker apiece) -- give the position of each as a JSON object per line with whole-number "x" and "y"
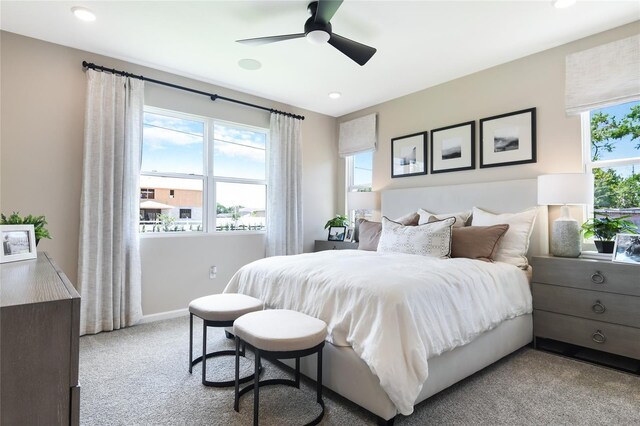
{"x": 199, "y": 174}
{"x": 613, "y": 155}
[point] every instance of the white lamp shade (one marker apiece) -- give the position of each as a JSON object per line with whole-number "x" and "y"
{"x": 363, "y": 200}
{"x": 565, "y": 188}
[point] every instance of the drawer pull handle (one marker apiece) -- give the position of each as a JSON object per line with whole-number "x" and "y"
{"x": 598, "y": 307}
{"x": 598, "y": 337}
{"x": 597, "y": 278}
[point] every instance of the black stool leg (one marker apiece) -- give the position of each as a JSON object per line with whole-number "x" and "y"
{"x": 319, "y": 377}
{"x": 256, "y": 388}
{"x": 190, "y": 342}
{"x": 236, "y": 404}
{"x": 204, "y": 351}
{"x": 298, "y": 372}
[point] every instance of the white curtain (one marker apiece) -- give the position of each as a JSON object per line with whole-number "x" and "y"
{"x": 284, "y": 183}
{"x": 358, "y": 135}
{"x": 109, "y": 272}
{"x": 603, "y": 76}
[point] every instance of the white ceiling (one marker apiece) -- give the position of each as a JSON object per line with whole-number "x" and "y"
{"x": 420, "y": 43}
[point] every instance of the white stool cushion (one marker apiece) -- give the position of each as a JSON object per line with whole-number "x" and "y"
{"x": 280, "y": 330}
{"x": 224, "y": 307}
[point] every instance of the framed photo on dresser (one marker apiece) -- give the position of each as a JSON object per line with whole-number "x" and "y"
{"x": 508, "y": 139}
{"x": 18, "y": 243}
{"x": 627, "y": 248}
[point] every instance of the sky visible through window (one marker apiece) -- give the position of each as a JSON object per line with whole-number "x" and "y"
{"x": 625, "y": 147}
{"x": 362, "y": 169}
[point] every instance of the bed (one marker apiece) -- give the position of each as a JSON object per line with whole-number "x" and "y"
{"x": 383, "y": 353}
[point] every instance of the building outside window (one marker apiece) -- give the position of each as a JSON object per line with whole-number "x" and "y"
{"x": 201, "y": 175}
{"x": 613, "y": 155}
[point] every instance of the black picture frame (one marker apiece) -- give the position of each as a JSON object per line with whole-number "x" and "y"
{"x": 508, "y": 139}
{"x": 453, "y": 148}
{"x": 337, "y": 233}
{"x": 409, "y": 155}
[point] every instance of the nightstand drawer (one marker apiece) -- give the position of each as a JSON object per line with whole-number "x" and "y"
{"x": 599, "y": 306}
{"x": 321, "y": 245}
{"x": 588, "y": 274}
{"x": 603, "y": 336}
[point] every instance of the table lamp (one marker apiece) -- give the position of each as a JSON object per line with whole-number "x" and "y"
{"x": 565, "y": 189}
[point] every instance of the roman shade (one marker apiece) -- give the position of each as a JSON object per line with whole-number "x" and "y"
{"x": 357, "y": 136}
{"x": 603, "y": 76}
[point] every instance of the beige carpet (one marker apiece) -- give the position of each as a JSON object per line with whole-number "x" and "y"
{"x": 138, "y": 376}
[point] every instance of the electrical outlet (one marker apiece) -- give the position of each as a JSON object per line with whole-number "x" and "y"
{"x": 213, "y": 272}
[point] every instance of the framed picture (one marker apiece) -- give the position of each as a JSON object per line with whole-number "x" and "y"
{"x": 349, "y": 236}
{"x": 409, "y": 155}
{"x": 627, "y": 248}
{"x": 18, "y": 243}
{"x": 453, "y": 148}
{"x": 508, "y": 139}
{"x": 337, "y": 233}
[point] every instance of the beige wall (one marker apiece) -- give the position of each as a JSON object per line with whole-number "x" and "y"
{"x": 534, "y": 81}
{"x": 42, "y": 89}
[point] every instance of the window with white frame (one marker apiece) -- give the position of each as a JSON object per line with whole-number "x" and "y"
{"x": 204, "y": 175}
{"x": 359, "y": 178}
{"x": 612, "y": 154}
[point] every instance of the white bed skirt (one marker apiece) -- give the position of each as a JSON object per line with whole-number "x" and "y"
{"x": 348, "y": 375}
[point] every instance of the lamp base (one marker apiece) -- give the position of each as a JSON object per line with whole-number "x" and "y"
{"x": 566, "y": 240}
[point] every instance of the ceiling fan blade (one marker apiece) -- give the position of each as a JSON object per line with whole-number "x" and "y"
{"x": 358, "y": 52}
{"x": 325, "y": 10}
{"x": 272, "y": 39}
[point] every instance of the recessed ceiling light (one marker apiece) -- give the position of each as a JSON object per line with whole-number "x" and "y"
{"x": 335, "y": 95}
{"x": 83, "y": 14}
{"x": 249, "y": 64}
{"x": 562, "y": 4}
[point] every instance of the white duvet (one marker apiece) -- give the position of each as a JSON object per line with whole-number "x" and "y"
{"x": 395, "y": 310}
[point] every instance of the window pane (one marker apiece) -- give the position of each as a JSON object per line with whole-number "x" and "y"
{"x": 363, "y": 169}
{"x": 617, "y": 187}
{"x": 181, "y": 213}
{"x": 240, "y": 206}
{"x": 173, "y": 145}
{"x": 612, "y": 131}
{"x": 239, "y": 152}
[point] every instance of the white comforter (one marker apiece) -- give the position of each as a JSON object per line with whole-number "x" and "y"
{"x": 395, "y": 310}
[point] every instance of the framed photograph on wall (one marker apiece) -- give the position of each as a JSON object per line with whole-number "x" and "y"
{"x": 18, "y": 243}
{"x": 409, "y": 155}
{"x": 337, "y": 233}
{"x": 627, "y": 248}
{"x": 508, "y": 139}
{"x": 453, "y": 148}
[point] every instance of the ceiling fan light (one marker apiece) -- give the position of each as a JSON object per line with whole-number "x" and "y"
{"x": 318, "y": 37}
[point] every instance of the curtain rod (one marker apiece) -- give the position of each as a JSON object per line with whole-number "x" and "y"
{"x": 212, "y": 96}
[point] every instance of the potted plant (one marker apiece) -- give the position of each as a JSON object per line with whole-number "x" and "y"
{"x": 337, "y": 227}
{"x": 38, "y": 223}
{"x": 604, "y": 229}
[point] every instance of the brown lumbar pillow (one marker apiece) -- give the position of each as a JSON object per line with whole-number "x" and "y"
{"x": 477, "y": 242}
{"x": 369, "y": 235}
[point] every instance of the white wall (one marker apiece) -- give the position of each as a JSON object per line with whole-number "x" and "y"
{"x": 42, "y": 116}
{"x": 533, "y": 81}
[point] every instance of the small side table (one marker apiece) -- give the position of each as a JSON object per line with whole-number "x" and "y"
{"x": 335, "y": 245}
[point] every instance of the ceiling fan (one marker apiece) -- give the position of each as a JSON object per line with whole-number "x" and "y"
{"x": 317, "y": 30}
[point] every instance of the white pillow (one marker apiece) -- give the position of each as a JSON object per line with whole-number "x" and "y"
{"x": 513, "y": 246}
{"x": 429, "y": 239}
{"x": 461, "y": 217}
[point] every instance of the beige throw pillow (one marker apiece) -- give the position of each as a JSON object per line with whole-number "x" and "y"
{"x": 477, "y": 242}
{"x": 430, "y": 239}
{"x": 368, "y": 235}
{"x": 461, "y": 217}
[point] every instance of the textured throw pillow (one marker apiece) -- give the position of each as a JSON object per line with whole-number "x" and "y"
{"x": 430, "y": 239}
{"x": 368, "y": 234}
{"x": 512, "y": 248}
{"x": 461, "y": 217}
{"x": 476, "y": 242}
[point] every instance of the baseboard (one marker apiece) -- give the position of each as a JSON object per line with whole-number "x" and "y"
{"x": 164, "y": 315}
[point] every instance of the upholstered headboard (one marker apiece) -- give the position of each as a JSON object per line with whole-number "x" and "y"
{"x": 497, "y": 197}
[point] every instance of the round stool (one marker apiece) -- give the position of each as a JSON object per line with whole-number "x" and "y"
{"x": 279, "y": 334}
{"x": 218, "y": 310}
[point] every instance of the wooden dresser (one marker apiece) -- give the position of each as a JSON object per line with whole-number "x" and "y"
{"x": 589, "y": 303}
{"x": 40, "y": 325}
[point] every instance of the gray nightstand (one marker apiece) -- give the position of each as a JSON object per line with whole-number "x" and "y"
{"x": 589, "y": 303}
{"x": 335, "y": 245}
